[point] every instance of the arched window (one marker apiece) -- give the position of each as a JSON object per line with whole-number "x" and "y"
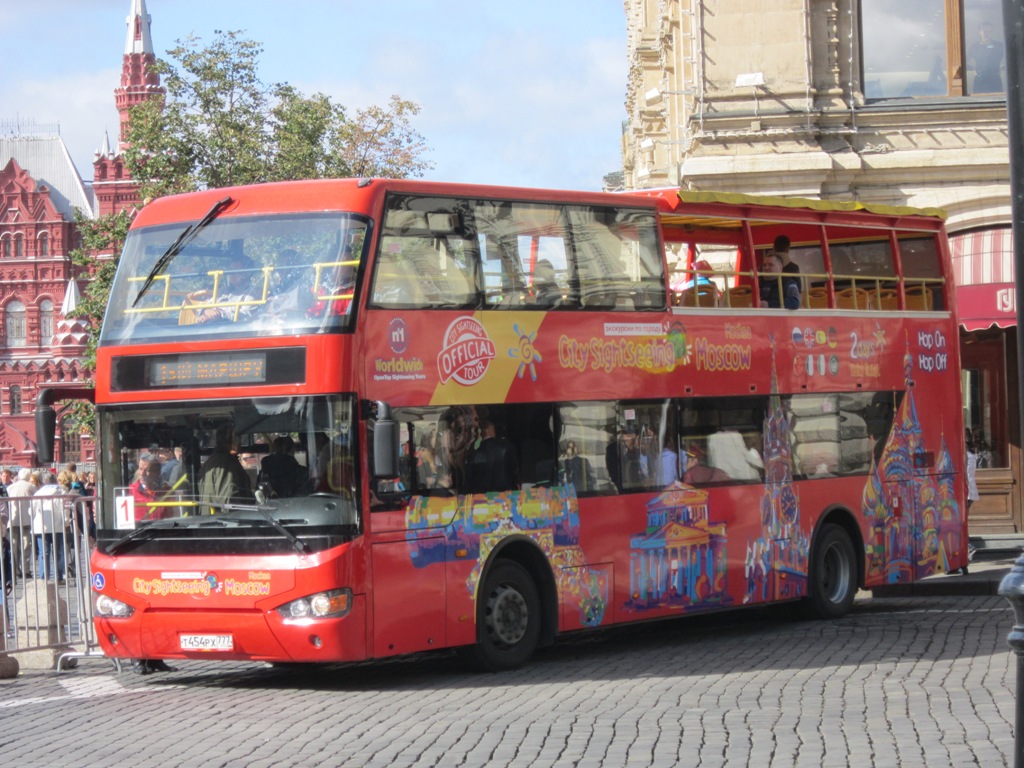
{"x": 15, "y": 400}
{"x": 14, "y": 324}
{"x": 45, "y": 322}
{"x": 19, "y": 247}
{"x": 5, "y": 246}
{"x": 44, "y": 244}
{"x": 70, "y": 444}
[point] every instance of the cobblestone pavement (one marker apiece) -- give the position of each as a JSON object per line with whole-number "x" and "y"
{"x": 907, "y": 682}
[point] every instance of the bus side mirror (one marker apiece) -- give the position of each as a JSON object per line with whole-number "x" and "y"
{"x": 46, "y": 430}
{"x": 46, "y": 416}
{"x": 385, "y": 443}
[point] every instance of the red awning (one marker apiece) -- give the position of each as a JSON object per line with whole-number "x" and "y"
{"x": 982, "y": 306}
{"x": 985, "y": 290}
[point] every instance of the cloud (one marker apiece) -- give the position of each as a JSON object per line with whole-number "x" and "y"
{"x": 81, "y": 103}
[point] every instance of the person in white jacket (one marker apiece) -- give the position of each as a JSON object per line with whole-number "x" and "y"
{"x": 48, "y": 526}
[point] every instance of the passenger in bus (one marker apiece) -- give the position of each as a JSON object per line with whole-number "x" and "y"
{"x": 173, "y": 473}
{"x": 281, "y": 469}
{"x": 771, "y": 265}
{"x": 222, "y": 479}
{"x": 428, "y": 469}
{"x": 697, "y": 472}
{"x": 781, "y": 246}
{"x": 235, "y": 299}
{"x": 546, "y": 291}
{"x": 576, "y": 470}
{"x": 149, "y": 489}
{"x": 459, "y": 430}
{"x": 624, "y": 460}
{"x": 342, "y": 289}
{"x": 291, "y": 293}
{"x": 493, "y": 466}
{"x": 701, "y": 278}
{"x": 728, "y": 451}
{"x": 287, "y": 271}
{"x": 669, "y": 464}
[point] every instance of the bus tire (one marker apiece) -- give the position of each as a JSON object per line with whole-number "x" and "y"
{"x": 832, "y": 581}
{"x": 508, "y": 619}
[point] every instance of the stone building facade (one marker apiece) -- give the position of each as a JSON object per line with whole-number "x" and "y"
{"x": 891, "y": 102}
{"x": 41, "y": 337}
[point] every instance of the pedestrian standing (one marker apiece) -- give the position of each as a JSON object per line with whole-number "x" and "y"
{"x": 21, "y": 521}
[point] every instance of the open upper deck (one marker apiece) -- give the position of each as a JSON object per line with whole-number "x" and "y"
{"x": 848, "y": 255}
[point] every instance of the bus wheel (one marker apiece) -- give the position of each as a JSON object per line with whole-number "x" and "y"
{"x": 508, "y": 619}
{"x": 833, "y": 575}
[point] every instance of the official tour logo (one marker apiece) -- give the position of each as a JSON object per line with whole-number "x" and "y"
{"x": 467, "y": 352}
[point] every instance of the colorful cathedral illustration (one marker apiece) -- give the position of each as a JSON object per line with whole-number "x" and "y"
{"x": 910, "y": 504}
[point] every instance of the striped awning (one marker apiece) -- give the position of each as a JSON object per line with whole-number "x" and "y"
{"x": 983, "y": 267}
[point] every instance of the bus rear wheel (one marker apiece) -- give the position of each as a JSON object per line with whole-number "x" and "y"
{"x": 833, "y": 575}
{"x": 508, "y": 619}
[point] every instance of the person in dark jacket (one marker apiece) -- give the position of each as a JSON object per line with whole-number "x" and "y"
{"x": 493, "y": 466}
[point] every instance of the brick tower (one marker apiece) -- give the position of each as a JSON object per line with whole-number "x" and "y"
{"x": 113, "y": 186}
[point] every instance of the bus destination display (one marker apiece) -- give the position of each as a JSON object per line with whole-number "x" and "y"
{"x": 133, "y": 373}
{"x": 188, "y": 371}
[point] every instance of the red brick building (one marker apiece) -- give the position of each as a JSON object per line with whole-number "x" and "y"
{"x": 41, "y": 340}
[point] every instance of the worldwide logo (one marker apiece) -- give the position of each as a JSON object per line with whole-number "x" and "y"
{"x": 466, "y": 353}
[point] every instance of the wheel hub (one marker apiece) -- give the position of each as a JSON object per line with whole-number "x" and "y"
{"x": 508, "y": 616}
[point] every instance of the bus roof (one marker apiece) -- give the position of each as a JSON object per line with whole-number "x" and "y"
{"x": 727, "y": 210}
{"x": 354, "y": 195}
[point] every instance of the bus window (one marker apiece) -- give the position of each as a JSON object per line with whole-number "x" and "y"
{"x": 638, "y": 438}
{"x": 725, "y": 434}
{"x": 534, "y": 241}
{"x": 475, "y": 448}
{"x": 222, "y": 452}
{"x": 582, "y": 446}
{"x": 617, "y": 260}
{"x": 428, "y": 453}
{"x": 425, "y": 262}
{"x": 298, "y": 273}
{"x": 456, "y": 253}
{"x": 838, "y": 434}
{"x": 864, "y": 272}
{"x": 815, "y": 429}
{"x": 922, "y": 274}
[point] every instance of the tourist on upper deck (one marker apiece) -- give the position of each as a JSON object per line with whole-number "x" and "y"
{"x": 772, "y": 286}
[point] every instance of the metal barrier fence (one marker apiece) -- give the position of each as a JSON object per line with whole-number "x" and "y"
{"x": 46, "y": 604}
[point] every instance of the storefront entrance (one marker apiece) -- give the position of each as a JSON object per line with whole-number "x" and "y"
{"x": 989, "y": 379}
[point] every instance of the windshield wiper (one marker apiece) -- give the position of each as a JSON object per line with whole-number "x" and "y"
{"x": 139, "y": 533}
{"x": 300, "y": 546}
{"x": 187, "y": 236}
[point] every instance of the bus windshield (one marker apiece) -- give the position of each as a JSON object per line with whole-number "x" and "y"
{"x": 246, "y": 463}
{"x": 236, "y": 276}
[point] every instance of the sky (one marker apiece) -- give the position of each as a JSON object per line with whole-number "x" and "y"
{"x": 524, "y": 93}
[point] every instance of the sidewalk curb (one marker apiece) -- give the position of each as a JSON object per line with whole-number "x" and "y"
{"x": 983, "y": 580}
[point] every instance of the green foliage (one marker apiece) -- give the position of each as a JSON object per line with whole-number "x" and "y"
{"x": 380, "y": 141}
{"x": 220, "y": 125}
{"x": 102, "y": 239}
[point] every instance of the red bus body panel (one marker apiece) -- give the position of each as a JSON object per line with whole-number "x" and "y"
{"x": 414, "y": 572}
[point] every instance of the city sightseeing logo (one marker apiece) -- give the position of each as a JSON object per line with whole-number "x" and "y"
{"x": 467, "y": 352}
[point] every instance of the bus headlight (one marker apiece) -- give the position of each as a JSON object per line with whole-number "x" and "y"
{"x": 322, "y": 605}
{"x": 108, "y": 607}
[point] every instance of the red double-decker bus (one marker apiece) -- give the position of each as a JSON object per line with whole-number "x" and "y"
{"x": 344, "y": 420}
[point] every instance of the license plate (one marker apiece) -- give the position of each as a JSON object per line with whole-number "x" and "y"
{"x": 207, "y": 643}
